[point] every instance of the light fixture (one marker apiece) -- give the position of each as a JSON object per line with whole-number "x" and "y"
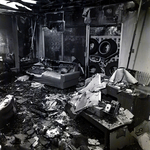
{"x": 29, "y": 1}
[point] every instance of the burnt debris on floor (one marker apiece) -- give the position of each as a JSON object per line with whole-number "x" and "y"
{"x": 40, "y": 121}
{"x": 112, "y": 105}
{"x": 41, "y": 118}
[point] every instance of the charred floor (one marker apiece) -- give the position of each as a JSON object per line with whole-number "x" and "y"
{"x": 41, "y": 121}
{"x": 74, "y": 75}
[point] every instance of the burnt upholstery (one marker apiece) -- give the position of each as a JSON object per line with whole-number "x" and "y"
{"x": 59, "y": 80}
{"x": 57, "y": 74}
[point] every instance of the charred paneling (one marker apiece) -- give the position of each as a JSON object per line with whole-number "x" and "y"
{"x": 24, "y": 35}
{"x": 52, "y": 43}
{"x": 6, "y": 38}
{"x": 74, "y": 43}
{"x": 74, "y": 18}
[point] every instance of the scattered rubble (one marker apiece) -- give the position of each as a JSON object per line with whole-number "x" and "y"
{"x": 41, "y": 121}
{"x": 53, "y": 132}
{"x": 22, "y": 78}
{"x": 93, "y": 142}
{"x": 89, "y": 95}
{"x": 37, "y": 85}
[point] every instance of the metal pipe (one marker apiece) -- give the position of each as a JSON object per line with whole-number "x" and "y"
{"x": 87, "y": 51}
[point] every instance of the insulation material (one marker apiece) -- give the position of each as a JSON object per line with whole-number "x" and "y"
{"x": 122, "y": 75}
{"x": 95, "y": 82}
{"x": 89, "y": 96}
{"x": 88, "y": 99}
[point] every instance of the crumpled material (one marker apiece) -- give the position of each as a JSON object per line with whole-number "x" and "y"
{"x": 89, "y": 96}
{"x": 23, "y": 78}
{"x": 6, "y": 101}
{"x": 87, "y": 99}
{"x": 122, "y": 75}
{"x": 37, "y": 85}
{"x": 93, "y": 85}
{"x": 53, "y": 132}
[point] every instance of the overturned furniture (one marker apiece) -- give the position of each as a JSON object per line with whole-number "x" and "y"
{"x": 62, "y": 75}
{"x": 106, "y": 115}
{"x": 123, "y": 105}
{"x": 58, "y": 80}
{"x": 130, "y": 94}
{"x": 134, "y": 95}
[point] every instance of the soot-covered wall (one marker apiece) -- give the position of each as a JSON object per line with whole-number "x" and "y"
{"x": 52, "y": 41}
{"x": 74, "y": 43}
{"x": 73, "y": 37}
{"x": 6, "y": 35}
{"x": 24, "y": 35}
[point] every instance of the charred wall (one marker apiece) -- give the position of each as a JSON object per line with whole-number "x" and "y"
{"x": 73, "y": 39}
{"x": 52, "y": 41}
{"x": 74, "y": 43}
{"x": 74, "y": 35}
{"x": 24, "y": 35}
{"x": 6, "y": 37}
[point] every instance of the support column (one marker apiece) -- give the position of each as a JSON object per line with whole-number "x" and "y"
{"x": 40, "y": 49}
{"x": 87, "y": 51}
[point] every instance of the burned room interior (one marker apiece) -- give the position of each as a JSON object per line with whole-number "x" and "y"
{"x": 74, "y": 75}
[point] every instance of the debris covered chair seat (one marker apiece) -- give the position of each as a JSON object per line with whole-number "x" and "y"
{"x": 60, "y": 75}
{"x": 59, "y": 80}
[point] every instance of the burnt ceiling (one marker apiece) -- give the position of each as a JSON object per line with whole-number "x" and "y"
{"x": 44, "y": 6}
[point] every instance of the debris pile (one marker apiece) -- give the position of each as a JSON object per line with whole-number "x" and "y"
{"x": 106, "y": 112}
{"x": 41, "y": 121}
{"x": 89, "y": 95}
